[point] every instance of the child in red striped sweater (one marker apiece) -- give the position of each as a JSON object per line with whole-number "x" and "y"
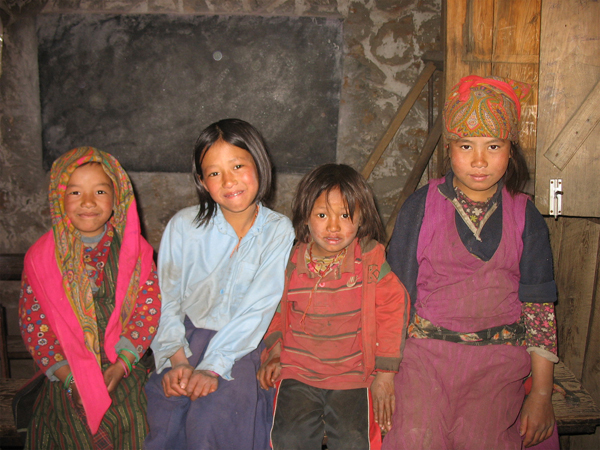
{"x": 335, "y": 343}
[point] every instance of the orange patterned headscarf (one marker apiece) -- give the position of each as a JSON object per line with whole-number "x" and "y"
{"x": 68, "y": 243}
{"x": 484, "y": 107}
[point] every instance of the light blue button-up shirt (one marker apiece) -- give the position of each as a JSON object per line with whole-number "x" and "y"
{"x": 232, "y": 292}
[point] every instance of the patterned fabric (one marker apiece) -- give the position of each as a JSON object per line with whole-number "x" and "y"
{"x": 512, "y": 334}
{"x": 69, "y": 246}
{"x": 58, "y": 423}
{"x": 540, "y": 323}
{"x": 474, "y": 210}
{"x": 92, "y": 253}
{"x": 487, "y": 107}
{"x": 40, "y": 339}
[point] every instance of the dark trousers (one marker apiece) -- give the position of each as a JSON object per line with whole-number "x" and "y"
{"x": 305, "y": 414}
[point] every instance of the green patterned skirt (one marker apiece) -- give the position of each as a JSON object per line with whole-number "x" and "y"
{"x": 58, "y": 424}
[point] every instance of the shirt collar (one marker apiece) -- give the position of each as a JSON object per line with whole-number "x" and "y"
{"x": 224, "y": 227}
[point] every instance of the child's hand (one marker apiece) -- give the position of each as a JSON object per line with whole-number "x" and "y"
{"x": 384, "y": 399}
{"x": 537, "y": 419}
{"x": 176, "y": 380}
{"x": 269, "y": 370}
{"x": 201, "y": 383}
{"x": 113, "y": 376}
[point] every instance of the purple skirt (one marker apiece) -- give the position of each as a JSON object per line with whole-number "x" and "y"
{"x": 458, "y": 396}
{"x": 238, "y": 415}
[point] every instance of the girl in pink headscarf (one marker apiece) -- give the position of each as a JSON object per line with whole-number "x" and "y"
{"x": 89, "y": 308}
{"x": 474, "y": 254}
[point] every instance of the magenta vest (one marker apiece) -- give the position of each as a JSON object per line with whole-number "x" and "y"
{"x": 455, "y": 289}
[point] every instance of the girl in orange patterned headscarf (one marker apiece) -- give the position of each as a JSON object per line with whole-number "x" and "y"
{"x": 474, "y": 254}
{"x": 89, "y": 308}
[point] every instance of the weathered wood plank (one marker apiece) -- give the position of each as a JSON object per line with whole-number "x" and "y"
{"x": 469, "y": 25}
{"x": 516, "y": 55}
{"x": 575, "y": 280}
{"x": 591, "y": 370}
{"x": 569, "y": 69}
{"x": 575, "y": 411}
{"x": 576, "y": 131}
{"x": 504, "y": 59}
{"x": 403, "y": 111}
{"x": 555, "y": 228}
{"x": 8, "y": 431}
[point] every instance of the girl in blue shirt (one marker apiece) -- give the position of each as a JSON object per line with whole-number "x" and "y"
{"x": 221, "y": 270}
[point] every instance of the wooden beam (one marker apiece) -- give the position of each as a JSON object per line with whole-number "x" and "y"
{"x": 408, "y": 102}
{"x": 416, "y": 173}
{"x": 502, "y": 59}
{"x": 11, "y": 266}
{"x": 576, "y": 131}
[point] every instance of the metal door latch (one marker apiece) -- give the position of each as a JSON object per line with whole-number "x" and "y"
{"x": 555, "y": 200}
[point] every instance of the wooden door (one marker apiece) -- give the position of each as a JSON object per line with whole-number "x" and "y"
{"x": 569, "y": 73}
{"x": 497, "y": 37}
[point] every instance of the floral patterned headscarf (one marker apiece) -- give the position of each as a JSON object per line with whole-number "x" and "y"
{"x": 485, "y": 107}
{"x": 68, "y": 243}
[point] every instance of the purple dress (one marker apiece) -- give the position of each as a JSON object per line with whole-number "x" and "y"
{"x": 451, "y": 395}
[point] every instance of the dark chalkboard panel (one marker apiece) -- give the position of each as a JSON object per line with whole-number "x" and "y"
{"x": 142, "y": 87}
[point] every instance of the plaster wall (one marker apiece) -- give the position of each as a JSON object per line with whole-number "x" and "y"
{"x": 383, "y": 43}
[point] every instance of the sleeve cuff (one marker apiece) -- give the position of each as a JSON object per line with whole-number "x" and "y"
{"x": 385, "y": 364}
{"x": 543, "y": 353}
{"x": 273, "y": 339}
{"x": 126, "y": 343}
{"x": 53, "y": 368}
{"x": 221, "y": 371}
{"x": 162, "y": 356}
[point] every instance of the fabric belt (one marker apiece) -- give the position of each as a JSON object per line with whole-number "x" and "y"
{"x": 511, "y": 334}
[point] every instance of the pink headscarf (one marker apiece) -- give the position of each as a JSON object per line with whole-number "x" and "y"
{"x": 57, "y": 275}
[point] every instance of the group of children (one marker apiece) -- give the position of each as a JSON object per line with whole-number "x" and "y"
{"x": 258, "y": 344}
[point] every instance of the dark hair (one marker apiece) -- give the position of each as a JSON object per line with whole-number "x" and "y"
{"x": 240, "y": 134}
{"x": 353, "y": 188}
{"x": 517, "y": 174}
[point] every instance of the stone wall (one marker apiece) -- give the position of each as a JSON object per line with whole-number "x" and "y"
{"x": 383, "y": 43}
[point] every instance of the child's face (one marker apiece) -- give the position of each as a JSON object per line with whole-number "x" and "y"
{"x": 331, "y": 227}
{"x": 478, "y": 164}
{"x": 230, "y": 177}
{"x": 89, "y": 199}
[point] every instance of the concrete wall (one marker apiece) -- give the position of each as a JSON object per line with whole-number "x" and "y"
{"x": 383, "y": 43}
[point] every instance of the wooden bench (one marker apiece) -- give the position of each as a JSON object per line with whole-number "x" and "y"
{"x": 576, "y": 412}
{"x": 9, "y": 438}
{"x": 11, "y": 346}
